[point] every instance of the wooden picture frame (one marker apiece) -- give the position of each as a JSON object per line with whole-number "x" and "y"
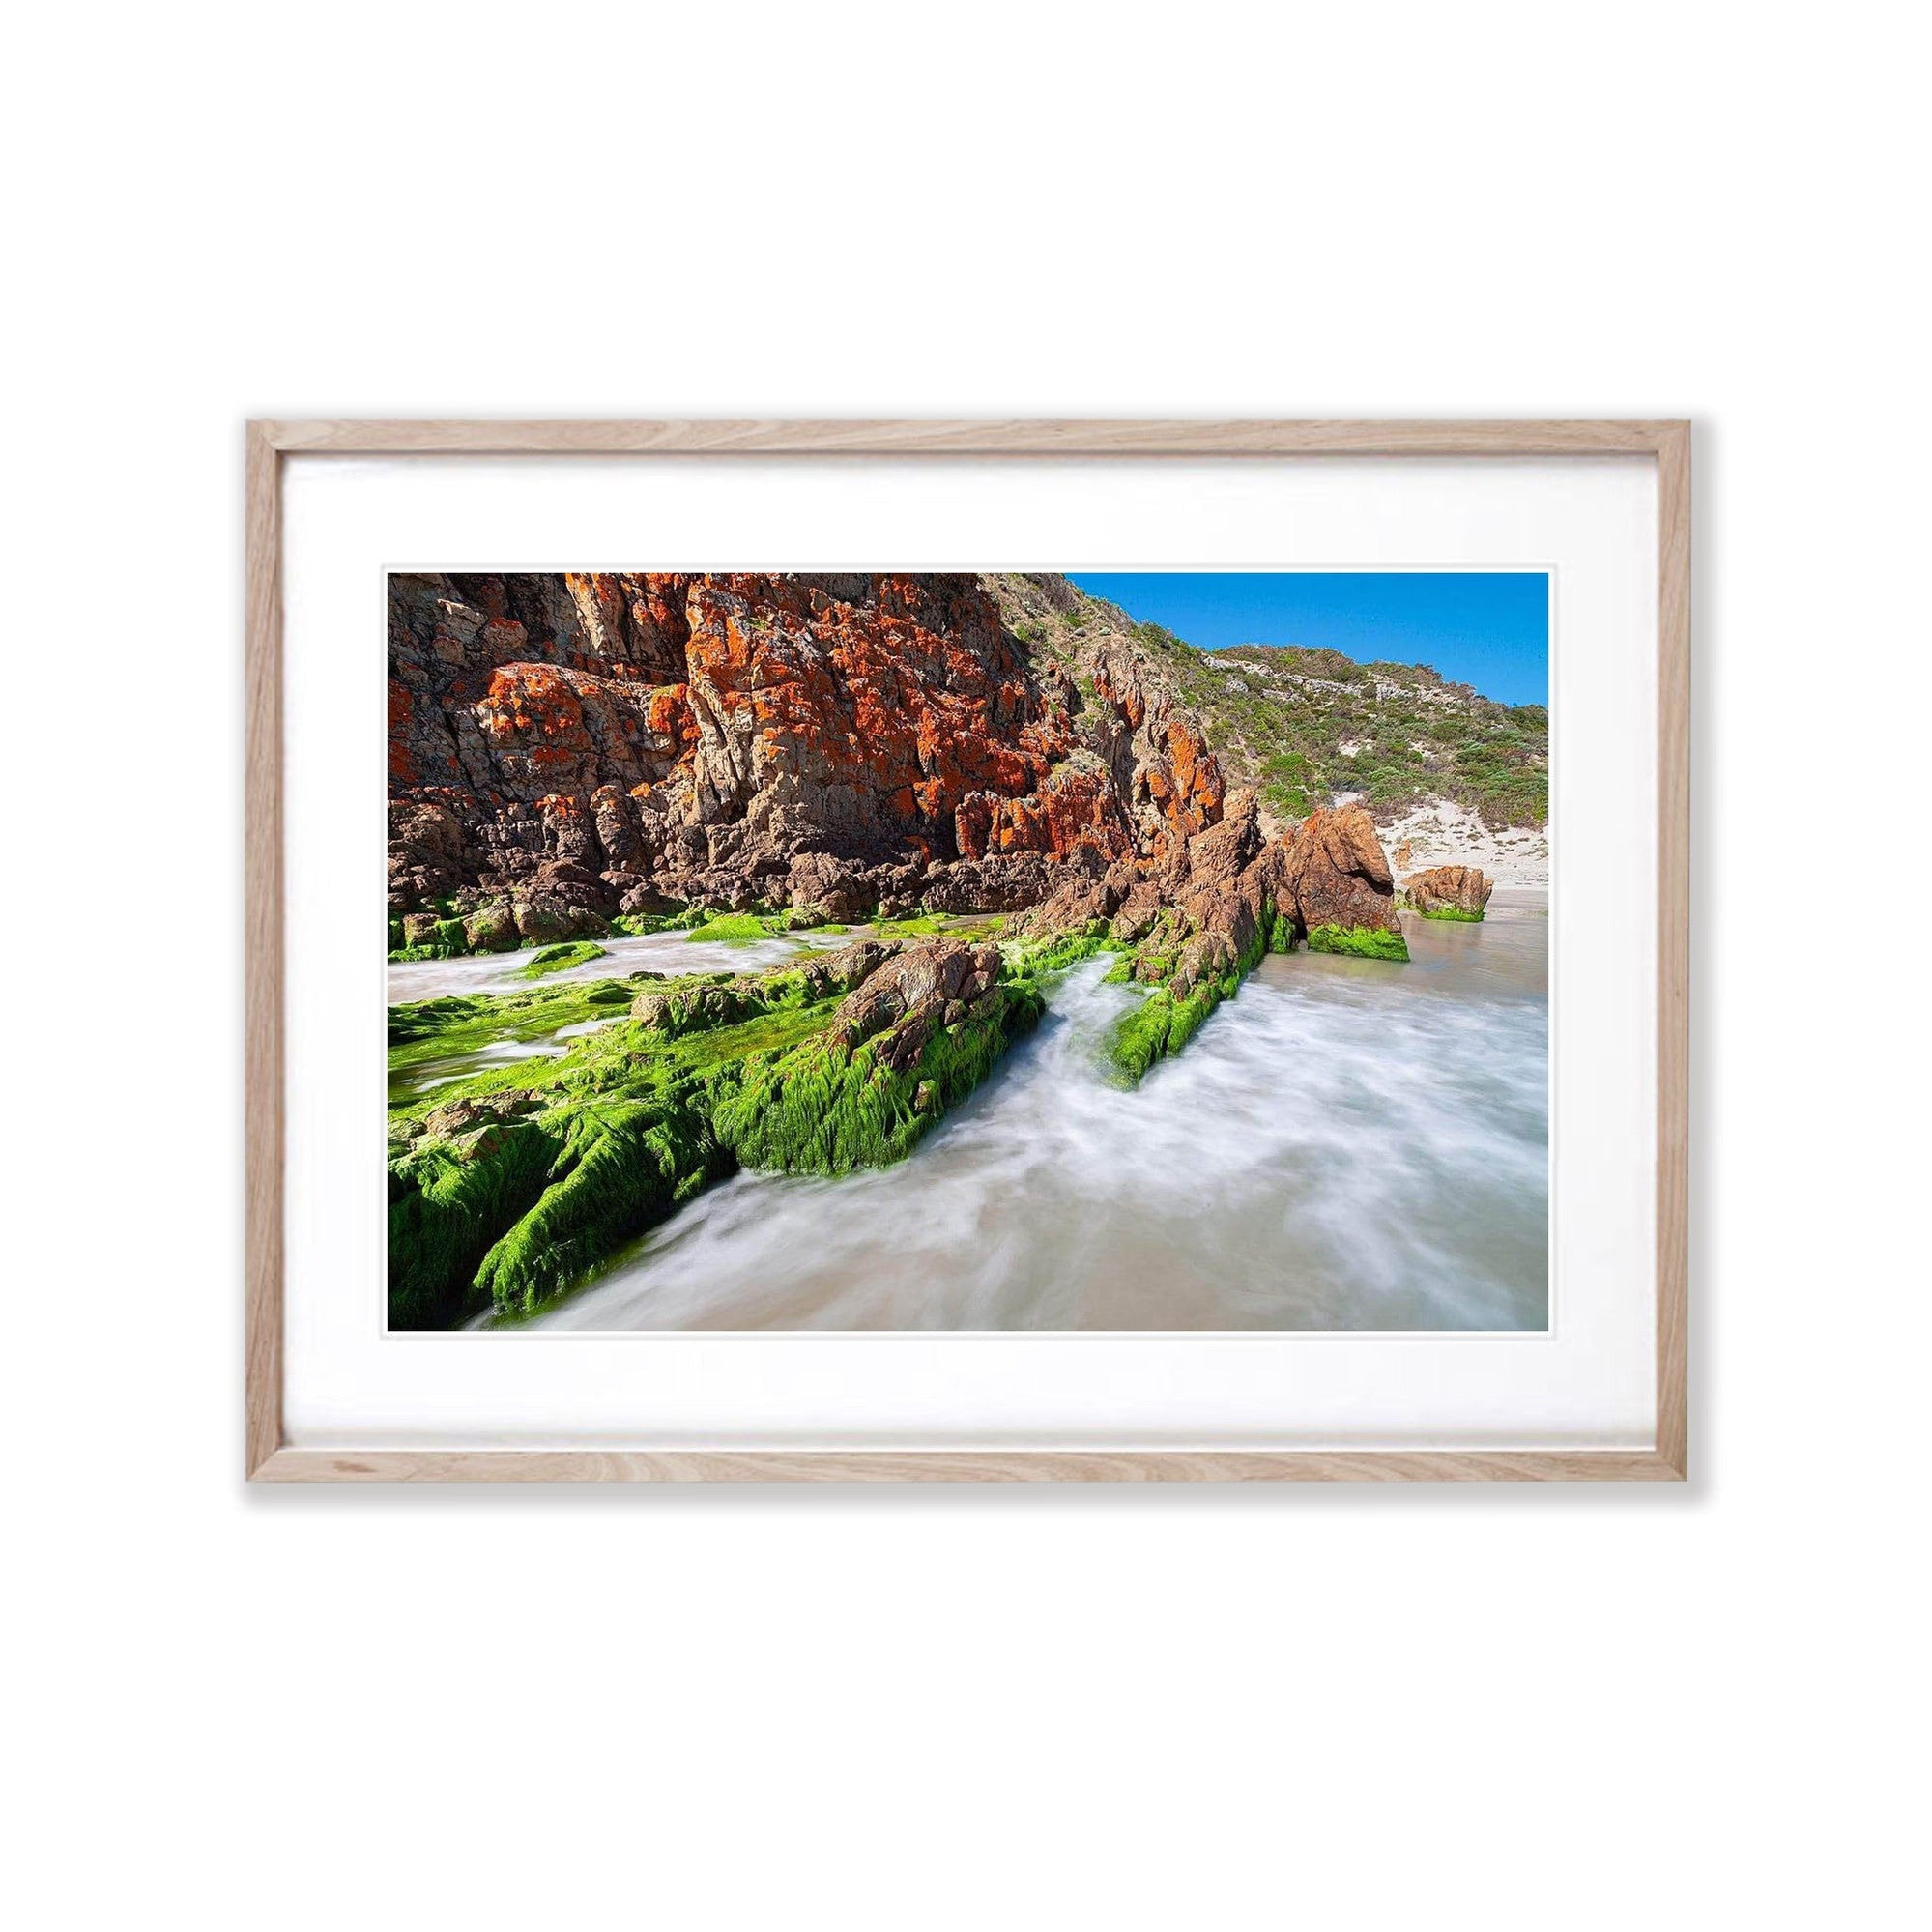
{"x": 268, "y": 1457}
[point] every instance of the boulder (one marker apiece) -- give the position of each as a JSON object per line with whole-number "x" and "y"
{"x": 557, "y": 909}
{"x": 1461, "y": 891}
{"x": 904, "y": 1003}
{"x": 1008, "y": 885}
{"x": 725, "y": 1002}
{"x": 1332, "y": 872}
{"x": 492, "y": 927}
{"x": 817, "y": 882}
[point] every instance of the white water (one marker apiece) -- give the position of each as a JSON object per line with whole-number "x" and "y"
{"x": 668, "y": 953}
{"x": 1347, "y": 1144}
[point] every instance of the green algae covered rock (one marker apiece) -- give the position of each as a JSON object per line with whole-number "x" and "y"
{"x": 1362, "y": 943}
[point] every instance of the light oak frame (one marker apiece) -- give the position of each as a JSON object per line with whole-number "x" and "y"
{"x": 270, "y": 1459}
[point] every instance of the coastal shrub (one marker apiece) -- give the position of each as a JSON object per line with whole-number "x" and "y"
{"x": 1362, "y": 943}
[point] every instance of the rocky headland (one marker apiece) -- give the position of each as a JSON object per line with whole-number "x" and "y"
{"x": 991, "y": 773}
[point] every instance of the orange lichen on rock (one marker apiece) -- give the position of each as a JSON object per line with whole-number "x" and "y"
{"x": 1198, "y": 787}
{"x": 881, "y": 710}
{"x": 532, "y": 700}
{"x": 669, "y": 713}
{"x": 700, "y": 736}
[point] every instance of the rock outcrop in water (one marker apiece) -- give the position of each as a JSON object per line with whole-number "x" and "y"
{"x": 1337, "y": 877}
{"x": 564, "y": 749}
{"x": 504, "y": 1194}
{"x": 1194, "y": 922}
{"x": 567, "y": 751}
{"x": 1449, "y": 892}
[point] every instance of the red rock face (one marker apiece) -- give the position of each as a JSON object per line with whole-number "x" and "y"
{"x": 1458, "y": 888}
{"x": 1334, "y": 871}
{"x": 694, "y": 735}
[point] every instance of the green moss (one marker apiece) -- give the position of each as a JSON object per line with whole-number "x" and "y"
{"x": 1167, "y": 1019}
{"x": 641, "y": 925}
{"x": 1159, "y": 1025}
{"x": 1037, "y": 957}
{"x": 734, "y": 928}
{"x": 1140, "y": 1038}
{"x": 422, "y": 1033}
{"x": 560, "y": 959}
{"x": 621, "y": 1168}
{"x": 1362, "y": 942}
{"x": 617, "y": 1137}
{"x": 921, "y": 927}
{"x": 435, "y": 940}
{"x": 1457, "y": 914}
{"x": 447, "y": 1204}
{"x": 826, "y": 1110}
{"x": 634, "y": 1120}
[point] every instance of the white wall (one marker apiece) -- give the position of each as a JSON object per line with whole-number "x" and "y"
{"x": 1330, "y": 1708}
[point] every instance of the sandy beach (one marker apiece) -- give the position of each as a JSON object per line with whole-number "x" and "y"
{"x": 1442, "y": 833}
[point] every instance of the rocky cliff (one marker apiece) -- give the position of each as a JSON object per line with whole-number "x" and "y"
{"x": 568, "y": 753}
{"x": 567, "y": 748}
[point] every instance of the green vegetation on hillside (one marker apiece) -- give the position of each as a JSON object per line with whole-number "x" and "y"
{"x": 1299, "y": 725}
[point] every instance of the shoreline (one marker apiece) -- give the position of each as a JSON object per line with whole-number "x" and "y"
{"x": 1440, "y": 832}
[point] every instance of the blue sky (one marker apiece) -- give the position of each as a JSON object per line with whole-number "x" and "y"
{"x": 1481, "y": 627}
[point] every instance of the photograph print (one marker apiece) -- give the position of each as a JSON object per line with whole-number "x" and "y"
{"x": 910, "y": 951}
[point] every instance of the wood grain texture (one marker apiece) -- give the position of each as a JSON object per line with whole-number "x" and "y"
{"x": 269, "y": 1459}
{"x": 1071, "y": 437}
{"x": 262, "y": 1326}
{"x": 963, "y": 1466}
{"x": 1673, "y": 947}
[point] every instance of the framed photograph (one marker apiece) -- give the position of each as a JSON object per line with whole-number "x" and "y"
{"x": 967, "y": 951}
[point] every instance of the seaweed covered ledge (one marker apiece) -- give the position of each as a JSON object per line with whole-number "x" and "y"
{"x": 512, "y": 1184}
